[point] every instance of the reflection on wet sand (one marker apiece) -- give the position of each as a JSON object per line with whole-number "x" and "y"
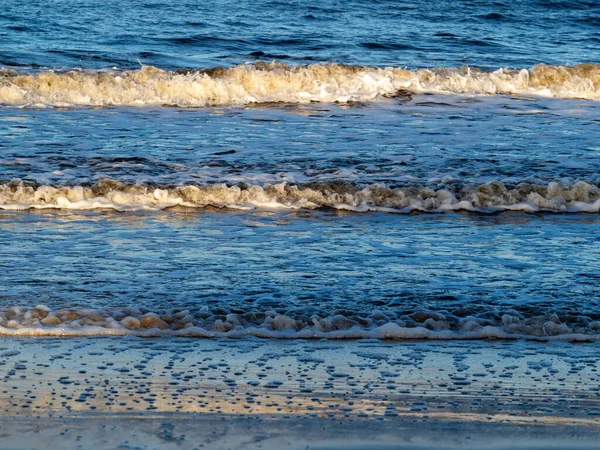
{"x": 366, "y": 382}
{"x": 364, "y": 379}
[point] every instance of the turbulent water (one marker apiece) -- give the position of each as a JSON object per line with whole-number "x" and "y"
{"x": 350, "y": 169}
{"x": 280, "y": 83}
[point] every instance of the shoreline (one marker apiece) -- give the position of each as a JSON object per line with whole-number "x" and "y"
{"x": 175, "y": 431}
{"x": 252, "y": 393}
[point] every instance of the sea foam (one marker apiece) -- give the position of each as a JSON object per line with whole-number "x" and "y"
{"x": 579, "y": 196}
{"x": 278, "y": 82}
{"x": 203, "y": 323}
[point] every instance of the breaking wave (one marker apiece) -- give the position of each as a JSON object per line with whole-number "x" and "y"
{"x": 579, "y": 196}
{"x": 424, "y": 324}
{"x": 278, "y": 82}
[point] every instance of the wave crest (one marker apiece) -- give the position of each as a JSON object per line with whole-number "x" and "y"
{"x": 420, "y": 324}
{"x": 494, "y": 196}
{"x": 278, "y": 82}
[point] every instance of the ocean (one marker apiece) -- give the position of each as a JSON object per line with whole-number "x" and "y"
{"x": 294, "y": 173}
{"x": 340, "y": 169}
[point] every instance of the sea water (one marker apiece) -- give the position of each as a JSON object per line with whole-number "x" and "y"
{"x": 356, "y": 169}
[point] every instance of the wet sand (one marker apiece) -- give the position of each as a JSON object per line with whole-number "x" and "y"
{"x": 251, "y": 393}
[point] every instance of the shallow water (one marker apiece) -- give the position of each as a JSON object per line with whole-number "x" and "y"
{"x": 427, "y": 153}
{"x": 301, "y": 171}
{"x": 303, "y": 274}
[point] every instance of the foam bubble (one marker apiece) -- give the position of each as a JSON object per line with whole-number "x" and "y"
{"x": 42, "y": 321}
{"x": 493, "y": 196}
{"x": 278, "y": 82}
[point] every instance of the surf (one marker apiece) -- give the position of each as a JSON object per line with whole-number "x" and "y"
{"x": 561, "y": 197}
{"x": 276, "y": 82}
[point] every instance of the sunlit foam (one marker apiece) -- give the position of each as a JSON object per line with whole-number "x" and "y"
{"x": 277, "y": 82}
{"x": 493, "y": 196}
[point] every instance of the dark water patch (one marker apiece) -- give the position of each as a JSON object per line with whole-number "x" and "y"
{"x": 436, "y": 105}
{"x": 25, "y": 28}
{"x": 592, "y": 20}
{"x": 386, "y": 46}
{"x": 150, "y": 55}
{"x": 289, "y": 42}
{"x": 201, "y": 39}
{"x": 10, "y": 63}
{"x": 493, "y": 16}
{"x": 226, "y": 152}
{"x": 261, "y": 55}
{"x": 196, "y": 23}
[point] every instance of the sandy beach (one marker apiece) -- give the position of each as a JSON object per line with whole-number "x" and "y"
{"x": 222, "y": 394}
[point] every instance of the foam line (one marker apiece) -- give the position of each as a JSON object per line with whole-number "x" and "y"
{"x": 278, "y": 82}
{"x": 576, "y": 197}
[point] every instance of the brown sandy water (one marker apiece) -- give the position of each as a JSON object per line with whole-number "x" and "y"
{"x": 178, "y": 393}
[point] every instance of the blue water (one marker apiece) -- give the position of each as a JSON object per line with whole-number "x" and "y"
{"x": 460, "y": 211}
{"x": 184, "y": 34}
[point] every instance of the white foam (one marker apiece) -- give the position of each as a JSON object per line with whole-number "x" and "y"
{"x": 494, "y": 196}
{"x": 42, "y": 321}
{"x": 277, "y": 82}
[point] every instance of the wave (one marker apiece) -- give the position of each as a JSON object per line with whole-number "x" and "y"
{"x": 299, "y": 324}
{"x": 277, "y": 82}
{"x": 574, "y": 197}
